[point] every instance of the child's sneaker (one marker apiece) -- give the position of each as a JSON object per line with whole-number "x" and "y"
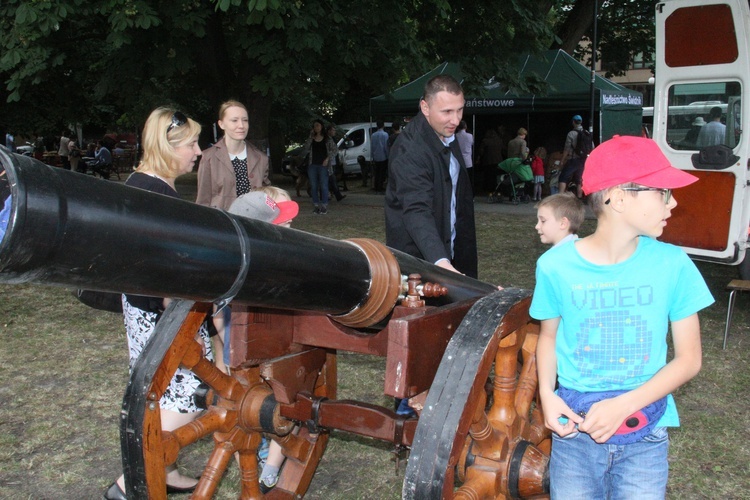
{"x": 268, "y": 482}
{"x": 263, "y": 452}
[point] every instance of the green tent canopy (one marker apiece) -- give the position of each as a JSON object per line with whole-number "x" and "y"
{"x": 617, "y": 108}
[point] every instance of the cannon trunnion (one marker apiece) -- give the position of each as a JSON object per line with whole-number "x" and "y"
{"x": 296, "y": 300}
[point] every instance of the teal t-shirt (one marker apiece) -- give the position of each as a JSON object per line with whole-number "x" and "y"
{"x": 615, "y": 318}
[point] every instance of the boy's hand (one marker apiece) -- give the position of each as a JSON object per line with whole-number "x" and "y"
{"x": 558, "y": 417}
{"x": 604, "y": 418}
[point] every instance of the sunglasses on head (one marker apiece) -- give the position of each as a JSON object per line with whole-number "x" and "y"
{"x": 178, "y": 120}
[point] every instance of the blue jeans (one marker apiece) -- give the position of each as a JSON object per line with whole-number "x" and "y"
{"x": 318, "y": 175}
{"x": 580, "y": 468}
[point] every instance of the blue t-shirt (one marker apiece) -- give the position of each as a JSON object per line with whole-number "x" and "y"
{"x": 615, "y": 318}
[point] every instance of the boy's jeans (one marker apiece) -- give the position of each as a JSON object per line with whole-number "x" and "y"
{"x": 580, "y": 468}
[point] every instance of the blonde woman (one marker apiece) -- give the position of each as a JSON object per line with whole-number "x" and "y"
{"x": 232, "y": 166}
{"x": 170, "y": 149}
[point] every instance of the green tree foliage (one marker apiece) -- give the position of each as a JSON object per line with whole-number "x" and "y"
{"x": 625, "y": 28}
{"x": 104, "y": 60}
{"x": 110, "y": 62}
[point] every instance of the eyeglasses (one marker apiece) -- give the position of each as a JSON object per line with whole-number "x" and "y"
{"x": 178, "y": 120}
{"x": 666, "y": 193}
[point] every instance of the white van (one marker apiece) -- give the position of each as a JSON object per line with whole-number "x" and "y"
{"x": 356, "y": 142}
{"x": 712, "y": 219}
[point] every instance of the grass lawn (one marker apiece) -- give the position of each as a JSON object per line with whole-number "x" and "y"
{"x": 63, "y": 368}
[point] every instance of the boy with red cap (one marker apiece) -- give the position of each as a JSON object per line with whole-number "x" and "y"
{"x": 605, "y": 303}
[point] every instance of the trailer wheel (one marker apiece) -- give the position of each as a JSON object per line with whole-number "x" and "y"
{"x": 481, "y": 433}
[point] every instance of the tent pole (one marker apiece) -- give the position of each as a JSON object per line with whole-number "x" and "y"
{"x": 593, "y": 67}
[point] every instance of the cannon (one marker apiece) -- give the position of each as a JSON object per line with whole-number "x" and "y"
{"x": 297, "y": 299}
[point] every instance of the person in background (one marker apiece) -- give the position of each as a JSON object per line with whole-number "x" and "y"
{"x": 10, "y": 141}
{"x": 691, "y": 138}
{"x": 490, "y": 156}
{"x": 517, "y": 147}
{"x": 713, "y": 132}
{"x": 63, "y": 149}
{"x": 425, "y": 216}
{"x": 559, "y": 218}
{"x": 606, "y": 303}
{"x": 170, "y": 149}
{"x": 380, "y": 157}
{"x": 102, "y": 163}
{"x": 572, "y": 162}
{"x": 537, "y": 168}
{"x": 232, "y": 166}
{"x": 320, "y": 148}
{"x": 333, "y": 184}
{"x": 466, "y": 143}
{"x": 74, "y": 156}
{"x": 395, "y": 131}
{"x": 39, "y": 148}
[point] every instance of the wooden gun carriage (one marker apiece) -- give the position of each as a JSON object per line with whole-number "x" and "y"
{"x": 296, "y": 300}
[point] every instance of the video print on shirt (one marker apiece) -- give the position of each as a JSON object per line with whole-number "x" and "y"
{"x": 615, "y": 342}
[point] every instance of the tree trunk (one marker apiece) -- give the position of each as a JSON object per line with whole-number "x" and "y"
{"x": 576, "y": 25}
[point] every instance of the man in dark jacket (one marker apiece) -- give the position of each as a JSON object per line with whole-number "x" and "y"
{"x": 429, "y": 208}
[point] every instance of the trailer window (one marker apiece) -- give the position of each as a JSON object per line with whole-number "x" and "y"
{"x": 697, "y": 36}
{"x": 703, "y": 114}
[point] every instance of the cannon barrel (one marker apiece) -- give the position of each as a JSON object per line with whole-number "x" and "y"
{"x": 73, "y": 230}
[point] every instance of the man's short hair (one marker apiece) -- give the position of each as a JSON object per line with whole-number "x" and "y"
{"x": 380, "y": 124}
{"x": 566, "y": 205}
{"x": 715, "y": 112}
{"x": 441, "y": 83}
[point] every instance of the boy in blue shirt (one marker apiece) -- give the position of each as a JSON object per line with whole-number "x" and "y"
{"x": 605, "y": 303}
{"x": 559, "y": 217}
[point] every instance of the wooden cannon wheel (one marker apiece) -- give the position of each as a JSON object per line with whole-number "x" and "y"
{"x": 481, "y": 433}
{"x": 241, "y": 407}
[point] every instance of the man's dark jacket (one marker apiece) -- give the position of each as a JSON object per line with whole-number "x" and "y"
{"x": 418, "y": 199}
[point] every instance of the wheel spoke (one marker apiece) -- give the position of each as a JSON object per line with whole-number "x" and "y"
{"x": 478, "y": 435}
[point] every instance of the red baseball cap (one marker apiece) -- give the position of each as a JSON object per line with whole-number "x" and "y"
{"x": 626, "y": 158}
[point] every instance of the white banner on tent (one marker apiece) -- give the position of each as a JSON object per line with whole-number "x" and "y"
{"x": 612, "y": 99}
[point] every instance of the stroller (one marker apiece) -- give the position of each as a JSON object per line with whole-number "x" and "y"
{"x": 511, "y": 183}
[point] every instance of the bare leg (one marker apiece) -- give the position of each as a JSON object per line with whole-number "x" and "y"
{"x": 563, "y": 186}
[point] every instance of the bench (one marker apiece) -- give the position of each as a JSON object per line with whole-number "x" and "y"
{"x": 734, "y": 286}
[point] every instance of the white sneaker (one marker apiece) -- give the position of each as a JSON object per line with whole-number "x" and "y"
{"x": 268, "y": 482}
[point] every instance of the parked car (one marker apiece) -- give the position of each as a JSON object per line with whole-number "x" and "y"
{"x": 355, "y": 142}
